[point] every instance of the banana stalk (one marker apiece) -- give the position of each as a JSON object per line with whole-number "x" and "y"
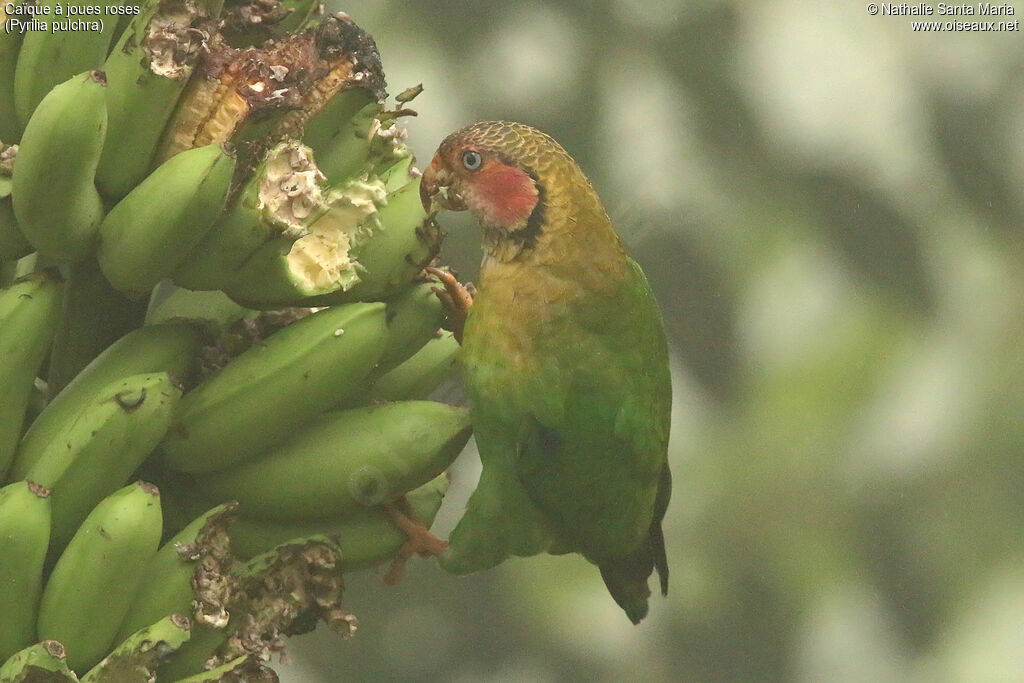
{"x": 345, "y": 461}
{"x": 24, "y": 537}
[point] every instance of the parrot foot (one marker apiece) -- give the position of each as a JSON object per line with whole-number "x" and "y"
{"x": 456, "y": 298}
{"x": 420, "y": 542}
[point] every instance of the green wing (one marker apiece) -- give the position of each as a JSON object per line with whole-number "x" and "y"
{"x": 592, "y": 452}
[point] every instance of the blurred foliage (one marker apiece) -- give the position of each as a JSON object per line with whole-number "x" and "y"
{"x": 830, "y": 207}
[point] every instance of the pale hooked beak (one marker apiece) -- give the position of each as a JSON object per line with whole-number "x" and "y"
{"x": 436, "y": 191}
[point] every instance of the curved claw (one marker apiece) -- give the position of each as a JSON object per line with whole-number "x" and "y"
{"x": 455, "y": 297}
{"x": 420, "y": 542}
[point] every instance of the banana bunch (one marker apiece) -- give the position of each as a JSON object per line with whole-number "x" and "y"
{"x": 216, "y": 345}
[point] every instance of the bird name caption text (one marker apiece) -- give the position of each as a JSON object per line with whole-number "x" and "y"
{"x": 24, "y": 17}
{"x": 942, "y": 17}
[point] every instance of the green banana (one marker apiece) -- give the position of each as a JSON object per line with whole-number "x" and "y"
{"x": 93, "y": 582}
{"x": 414, "y": 316}
{"x": 99, "y": 451}
{"x": 399, "y": 174}
{"x": 24, "y": 536}
{"x": 346, "y": 460}
{"x": 29, "y": 313}
{"x": 149, "y": 232}
{"x": 10, "y": 42}
{"x": 351, "y": 132}
{"x": 245, "y": 668}
{"x": 284, "y": 193}
{"x": 43, "y": 661}
{"x": 258, "y": 399}
{"x": 146, "y": 73}
{"x": 49, "y": 57}
{"x": 166, "y": 584}
{"x": 419, "y": 376}
{"x": 367, "y": 536}
{"x": 169, "y": 348}
{"x": 55, "y": 200}
{"x": 350, "y": 253}
{"x": 170, "y": 302}
{"x": 138, "y": 656}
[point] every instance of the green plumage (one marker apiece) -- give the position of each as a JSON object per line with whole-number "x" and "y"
{"x": 566, "y": 367}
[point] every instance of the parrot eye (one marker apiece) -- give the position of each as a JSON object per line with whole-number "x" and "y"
{"x": 472, "y": 160}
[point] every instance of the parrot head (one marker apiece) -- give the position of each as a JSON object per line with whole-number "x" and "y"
{"x": 486, "y": 168}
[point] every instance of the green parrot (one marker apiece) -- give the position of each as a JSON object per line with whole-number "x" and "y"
{"x": 565, "y": 364}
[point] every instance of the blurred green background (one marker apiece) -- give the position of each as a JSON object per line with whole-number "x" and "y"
{"x": 830, "y": 207}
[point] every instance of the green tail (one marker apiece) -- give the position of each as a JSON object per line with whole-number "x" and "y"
{"x": 626, "y": 577}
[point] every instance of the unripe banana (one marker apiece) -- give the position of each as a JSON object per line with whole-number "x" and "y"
{"x": 29, "y": 313}
{"x": 149, "y": 232}
{"x": 399, "y": 174}
{"x": 146, "y": 73}
{"x": 166, "y": 586}
{"x": 47, "y": 58}
{"x": 170, "y": 302}
{"x": 10, "y": 42}
{"x": 284, "y": 193}
{"x": 55, "y": 200}
{"x": 43, "y": 661}
{"x": 419, "y": 376}
{"x": 94, "y": 581}
{"x": 346, "y": 460}
{"x": 139, "y": 655}
{"x": 257, "y": 400}
{"x": 107, "y": 441}
{"x": 340, "y": 134}
{"x": 415, "y": 315}
{"x": 169, "y": 347}
{"x": 359, "y": 250}
{"x": 367, "y": 536}
{"x": 24, "y": 536}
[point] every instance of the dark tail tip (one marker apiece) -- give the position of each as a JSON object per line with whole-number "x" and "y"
{"x": 626, "y": 577}
{"x": 627, "y": 582}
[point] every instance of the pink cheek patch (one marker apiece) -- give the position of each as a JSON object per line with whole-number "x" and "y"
{"x": 508, "y": 194}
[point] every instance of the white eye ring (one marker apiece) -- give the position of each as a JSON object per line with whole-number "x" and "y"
{"x": 472, "y": 160}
